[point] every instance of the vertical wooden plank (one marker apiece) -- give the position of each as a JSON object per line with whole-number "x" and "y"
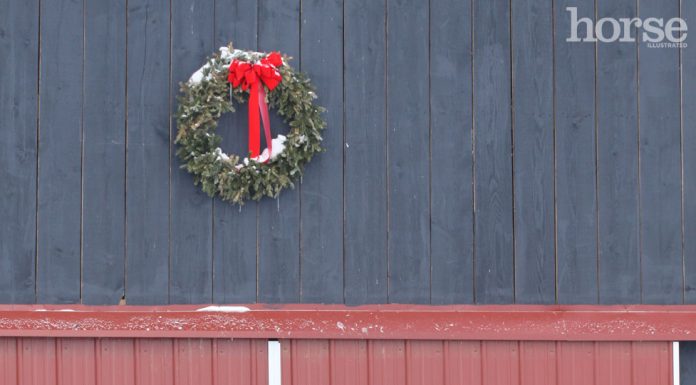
{"x": 493, "y": 228}
{"x": 321, "y": 212}
{"x": 147, "y": 173}
{"x": 617, "y": 178}
{"x": 660, "y": 165}
{"x": 193, "y": 362}
{"x": 116, "y": 361}
{"x": 687, "y": 364}
{"x": 533, "y": 133}
{"x": 9, "y": 350}
{"x": 688, "y": 112}
{"x": 425, "y": 363}
{"x": 60, "y": 138}
{"x": 104, "y": 137}
{"x": 408, "y": 152}
{"x": 452, "y": 200}
{"x": 538, "y": 363}
{"x": 365, "y": 160}
{"x": 76, "y": 361}
{"x": 387, "y": 362}
{"x": 234, "y": 237}
{"x": 279, "y": 220}
{"x": 576, "y": 363}
{"x": 19, "y": 69}
{"x": 463, "y": 362}
{"x": 36, "y": 363}
{"x": 576, "y": 188}
{"x": 311, "y": 363}
{"x": 155, "y": 361}
{"x": 501, "y": 363}
{"x": 613, "y": 362}
{"x": 191, "y": 219}
{"x": 652, "y": 363}
{"x": 350, "y": 362}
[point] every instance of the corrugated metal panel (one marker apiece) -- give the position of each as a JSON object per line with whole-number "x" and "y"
{"x": 115, "y": 363}
{"x": 126, "y": 361}
{"x": 155, "y": 360}
{"x": 75, "y": 361}
{"x": 314, "y": 362}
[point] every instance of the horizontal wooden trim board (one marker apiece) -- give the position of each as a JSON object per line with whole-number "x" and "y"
{"x": 468, "y": 322}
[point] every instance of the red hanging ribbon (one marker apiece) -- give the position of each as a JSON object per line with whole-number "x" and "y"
{"x": 253, "y": 77}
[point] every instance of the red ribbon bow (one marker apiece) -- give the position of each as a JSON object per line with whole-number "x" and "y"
{"x": 253, "y": 76}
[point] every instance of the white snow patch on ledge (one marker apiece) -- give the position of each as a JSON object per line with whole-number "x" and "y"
{"x": 54, "y": 310}
{"x": 225, "y": 309}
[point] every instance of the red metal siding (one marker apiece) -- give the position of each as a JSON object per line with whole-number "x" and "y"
{"x": 379, "y": 362}
{"x": 337, "y": 345}
{"x": 97, "y": 361}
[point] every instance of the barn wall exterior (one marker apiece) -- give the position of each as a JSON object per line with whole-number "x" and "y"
{"x": 97, "y": 361}
{"x": 472, "y": 156}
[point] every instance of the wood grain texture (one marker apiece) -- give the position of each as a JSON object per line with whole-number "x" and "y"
{"x": 617, "y": 170}
{"x": 660, "y": 165}
{"x": 191, "y": 214}
{"x": 688, "y": 107}
{"x": 452, "y": 199}
{"x": 60, "y": 155}
{"x": 687, "y": 358}
{"x": 321, "y": 214}
{"x": 408, "y": 152}
{"x": 457, "y": 130}
{"x": 235, "y": 230}
{"x": 19, "y": 43}
{"x": 576, "y": 154}
{"x": 147, "y": 158}
{"x": 365, "y": 176}
{"x": 533, "y": 133}
{"x": 104, "y": 152}
{"x": 493, "y": 226}
{"x": 279, "y": 220}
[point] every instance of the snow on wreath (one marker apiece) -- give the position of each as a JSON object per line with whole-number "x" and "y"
{"x": 233, "y": 77}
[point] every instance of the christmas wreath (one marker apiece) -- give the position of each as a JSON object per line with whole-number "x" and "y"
{"x": 233, "y": 77}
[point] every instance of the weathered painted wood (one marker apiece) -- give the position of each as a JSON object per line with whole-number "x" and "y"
{"x": 660, "y": 165}
{"x": 452, "y": 194}
{"x": 365, "y": 176}
{"x": 234, "y": 238}
{"x": 321, "y": 194}
{"x": 408, "y": 151}
{"x": 533, "y": 133}
{"x": 147, "y": 172}
{"x": 493, "y": 250}
{"x": 191, "y": 216}
{"x": 279, "y": 220}
{"x": 617, "y": 171}
{"x": 104, "y": 152}
{"x": 688, "y": 106}
{"x": 19, "y": 43}
{"x": 60, "y": 153}
{"x": 687, "y": 362}
{"x": 576, "y": 188}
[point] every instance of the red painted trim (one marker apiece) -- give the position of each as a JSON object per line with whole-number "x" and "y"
{"x": 505, "y": 322}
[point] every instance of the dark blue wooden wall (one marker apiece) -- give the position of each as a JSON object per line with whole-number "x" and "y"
{"x": 473, "y": 156}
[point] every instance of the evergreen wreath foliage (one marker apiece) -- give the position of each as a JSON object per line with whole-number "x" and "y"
{"x": 208, "y": 95}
